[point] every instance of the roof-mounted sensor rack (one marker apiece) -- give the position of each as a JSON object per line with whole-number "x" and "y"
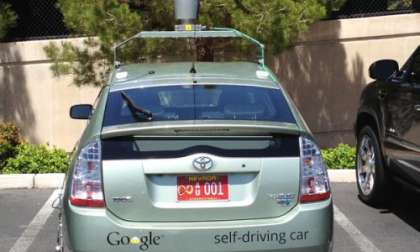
{"x": 186, "y": 14}
{"x": 195, "y": 34}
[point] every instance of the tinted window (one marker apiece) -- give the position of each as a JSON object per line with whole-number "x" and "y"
{"x": 199, "y": 102}
{"x": 138, "y": 148}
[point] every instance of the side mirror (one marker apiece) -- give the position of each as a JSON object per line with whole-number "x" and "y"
{"x": 81, "y": 111}
{"x": 383, "y": 69}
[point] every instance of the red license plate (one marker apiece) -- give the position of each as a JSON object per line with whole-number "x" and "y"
{"x": 205, "y": 187}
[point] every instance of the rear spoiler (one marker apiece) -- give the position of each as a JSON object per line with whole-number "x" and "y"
{"x": 197, "y": 128}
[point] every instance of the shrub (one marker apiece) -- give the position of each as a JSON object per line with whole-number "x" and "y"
{"x": 341, "y": 157}
{"x": 10, "y": 138}
{"x": 37, "y": 159}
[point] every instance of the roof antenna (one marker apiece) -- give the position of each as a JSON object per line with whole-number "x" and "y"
{"x": 186, "y": 14}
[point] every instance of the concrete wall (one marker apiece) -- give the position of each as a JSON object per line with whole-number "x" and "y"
{"x": 324, "y": 73}
{"x": 36, "y": 101}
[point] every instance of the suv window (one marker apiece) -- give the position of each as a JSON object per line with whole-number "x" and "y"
{"x": 199, "y": 102}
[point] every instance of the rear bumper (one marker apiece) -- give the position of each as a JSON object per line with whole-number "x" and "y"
{"x": 307, "y": 227}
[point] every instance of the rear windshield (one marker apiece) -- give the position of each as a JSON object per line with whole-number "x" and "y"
{"x": 197, "y": 102}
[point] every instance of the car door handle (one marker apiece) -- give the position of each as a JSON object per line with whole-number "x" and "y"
{"x": 417, "y": 107}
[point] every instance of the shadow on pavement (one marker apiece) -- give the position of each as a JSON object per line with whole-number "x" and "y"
{"x": 407, "y": 207}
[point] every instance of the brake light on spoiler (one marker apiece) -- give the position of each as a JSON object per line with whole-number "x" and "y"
{"x": 315, "y": 185}
{"x": 86, "y": 187}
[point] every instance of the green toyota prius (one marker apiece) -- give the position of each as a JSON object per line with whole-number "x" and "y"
{"x": 203, "y": 153}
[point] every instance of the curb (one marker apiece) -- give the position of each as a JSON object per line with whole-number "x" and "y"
{"x": 31, "y": 181}
{"x": 55, "y": 180}
{"x": 342, "y": 176}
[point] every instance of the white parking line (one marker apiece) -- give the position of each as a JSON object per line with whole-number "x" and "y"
{"x": 358, "y": 237}
{"x": 25, "y": 240}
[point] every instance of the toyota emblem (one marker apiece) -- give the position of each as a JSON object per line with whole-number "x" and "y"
{"x": 203, "y": 163}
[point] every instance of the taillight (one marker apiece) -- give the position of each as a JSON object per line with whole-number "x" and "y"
{"x": 86, "y": 187}
{"x": 315, "y": 185}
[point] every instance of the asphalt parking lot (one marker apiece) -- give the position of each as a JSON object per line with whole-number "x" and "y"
{"x": 27, "y": 224}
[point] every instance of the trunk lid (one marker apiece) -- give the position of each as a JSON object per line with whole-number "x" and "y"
{"x": 146, "y": 178}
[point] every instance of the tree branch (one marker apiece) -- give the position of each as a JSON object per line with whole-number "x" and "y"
{"x": 242, "y": 7}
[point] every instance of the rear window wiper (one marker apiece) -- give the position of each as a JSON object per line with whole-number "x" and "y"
{"x": 136, "y": 111}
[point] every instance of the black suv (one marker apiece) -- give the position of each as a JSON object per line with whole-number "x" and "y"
{"x": 388, "y": 130}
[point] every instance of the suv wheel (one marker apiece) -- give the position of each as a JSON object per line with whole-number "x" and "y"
{"x": 370, "y": 173}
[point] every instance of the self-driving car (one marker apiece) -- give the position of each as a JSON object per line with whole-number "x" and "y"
{"x": 388, "y": 131}
{"x": 207, "y": 153}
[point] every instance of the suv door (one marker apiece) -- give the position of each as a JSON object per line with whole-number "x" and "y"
{"x": 401, "y": 102}
{"x": 412, "y": 135}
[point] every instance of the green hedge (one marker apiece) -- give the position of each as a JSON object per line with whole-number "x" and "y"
{"x": 16, "y": 156}
{"x": 341, "y": 157}
{"x": 10, "y": 138}
{"x": 32, "y": 158}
